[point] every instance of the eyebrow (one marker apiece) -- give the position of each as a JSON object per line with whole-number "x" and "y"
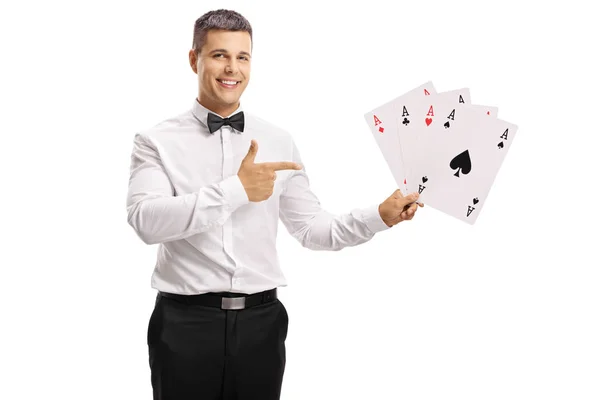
{"x": 225, "y": 51}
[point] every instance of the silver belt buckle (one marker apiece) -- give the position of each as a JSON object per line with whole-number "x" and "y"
{"x": 233, "y": 303}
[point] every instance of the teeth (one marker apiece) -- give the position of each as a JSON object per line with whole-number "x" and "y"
{"x": 229, "y": 82}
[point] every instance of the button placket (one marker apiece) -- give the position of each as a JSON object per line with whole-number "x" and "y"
{"x": 228, "y": 170}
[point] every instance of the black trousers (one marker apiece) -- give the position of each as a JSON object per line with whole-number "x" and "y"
{"x": 199, "y": 352}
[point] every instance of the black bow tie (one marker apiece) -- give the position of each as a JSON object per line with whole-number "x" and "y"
{"x": 236, "y": 121}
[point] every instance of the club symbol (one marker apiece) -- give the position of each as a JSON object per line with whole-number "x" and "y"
{"x": 406, "y": 121}
{"x": 424, "y": 179}
{"x": 447, "y": 124}
{"x": 501, "y": 145}
{"x": 475, "y": 200}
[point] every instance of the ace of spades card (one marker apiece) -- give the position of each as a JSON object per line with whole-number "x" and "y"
{"x": 383, "y": 126}
{"x": 461, "y": 156}
{"x": 416, "y": 115}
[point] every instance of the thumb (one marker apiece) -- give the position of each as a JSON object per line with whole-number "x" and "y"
{"x": 409, "y": 199}
{"x": 251, "y": 152}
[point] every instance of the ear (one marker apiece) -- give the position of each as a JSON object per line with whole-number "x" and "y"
{"x": 193, "y": 61}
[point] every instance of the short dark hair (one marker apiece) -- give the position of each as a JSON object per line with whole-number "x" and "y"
{"x": 228, "y": 20}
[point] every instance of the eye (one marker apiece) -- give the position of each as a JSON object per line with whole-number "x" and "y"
{"x": 244, "y": 58}
{"x": 218, "y": 55}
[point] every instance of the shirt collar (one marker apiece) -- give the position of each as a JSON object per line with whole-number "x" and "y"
{"x": 201, "y": 112}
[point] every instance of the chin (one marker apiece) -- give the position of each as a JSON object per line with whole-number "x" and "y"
{"x": 229, "y": 100}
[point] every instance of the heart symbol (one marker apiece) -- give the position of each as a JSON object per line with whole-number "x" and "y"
{"x": 428, "y": 121}
{"x": 475, "y": 200}
{"x": 424, "y": 179}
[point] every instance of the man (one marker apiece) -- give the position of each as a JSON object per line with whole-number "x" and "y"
{"x": 209, "y": 186}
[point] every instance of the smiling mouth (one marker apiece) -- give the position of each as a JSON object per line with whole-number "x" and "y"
{"x": 230, "y": 84}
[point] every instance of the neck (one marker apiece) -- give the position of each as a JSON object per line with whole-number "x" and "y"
{"x": 223, "y": 110}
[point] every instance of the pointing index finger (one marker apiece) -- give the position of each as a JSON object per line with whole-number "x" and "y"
{"x": 281, "y": 165}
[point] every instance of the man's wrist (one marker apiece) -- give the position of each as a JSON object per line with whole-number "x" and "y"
{"x": 234, "y": 191}
{"x": 385, "y": 221}
{"x": 372, "y": 218}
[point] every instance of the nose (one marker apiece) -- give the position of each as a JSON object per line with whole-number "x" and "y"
{"x": 231, "y": 66}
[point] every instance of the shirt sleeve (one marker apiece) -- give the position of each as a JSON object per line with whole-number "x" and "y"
{"x": 157, "y": 215}
{"x": 317, "y": 229}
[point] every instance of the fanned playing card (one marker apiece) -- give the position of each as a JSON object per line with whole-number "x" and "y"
{"x": 414, "y": 116}
{"x": 383, "y": 126}
{"x": 464, "y": 150}
{"x": 459, "y": 96}
{"x": 492, "y": 111}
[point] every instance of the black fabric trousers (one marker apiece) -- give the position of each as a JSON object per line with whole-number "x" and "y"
{"x": 199, "y": 352}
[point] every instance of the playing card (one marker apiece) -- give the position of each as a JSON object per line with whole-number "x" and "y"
{"x": 418, "y": 114}
{"x": 463, "y": 97}
{"x": 464, "y": 149}
{"x": 492, "y": 111}
{"x": 460, "y": 96}
{"x": 383, "y": 125}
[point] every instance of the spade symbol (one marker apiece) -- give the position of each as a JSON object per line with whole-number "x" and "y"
{"x": 406, "y": 121}
{"x": 501, "y": 145}
{"x": 475, "y": 200}
{"x": 424, "y": 179}
{"x": 447, "y": 124}
{"x": 461, "y": 162}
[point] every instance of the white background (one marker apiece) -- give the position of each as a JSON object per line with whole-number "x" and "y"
{"x": 431, "y": 309}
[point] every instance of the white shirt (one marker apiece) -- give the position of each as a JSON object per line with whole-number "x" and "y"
{"x": 184, "y": 194}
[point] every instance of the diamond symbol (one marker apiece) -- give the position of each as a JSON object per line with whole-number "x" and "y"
{"x": 381, "y": 129}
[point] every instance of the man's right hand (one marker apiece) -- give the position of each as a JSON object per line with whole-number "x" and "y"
{"x": 259, "y": 179}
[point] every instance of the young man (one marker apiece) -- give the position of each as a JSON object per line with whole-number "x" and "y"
{"x": 209, "y": 186}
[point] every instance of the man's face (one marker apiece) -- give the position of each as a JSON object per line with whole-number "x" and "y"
{"x": 223, "y": 68}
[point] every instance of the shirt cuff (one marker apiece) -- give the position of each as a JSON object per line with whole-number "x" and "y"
{"x": 372, "y": 219}
{"x": 234, "y": 191}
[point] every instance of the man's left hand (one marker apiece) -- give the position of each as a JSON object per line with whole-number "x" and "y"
{"x": 398, "y": 208}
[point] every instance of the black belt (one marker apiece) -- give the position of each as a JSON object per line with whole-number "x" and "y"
{"x": 225, "y": 300}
